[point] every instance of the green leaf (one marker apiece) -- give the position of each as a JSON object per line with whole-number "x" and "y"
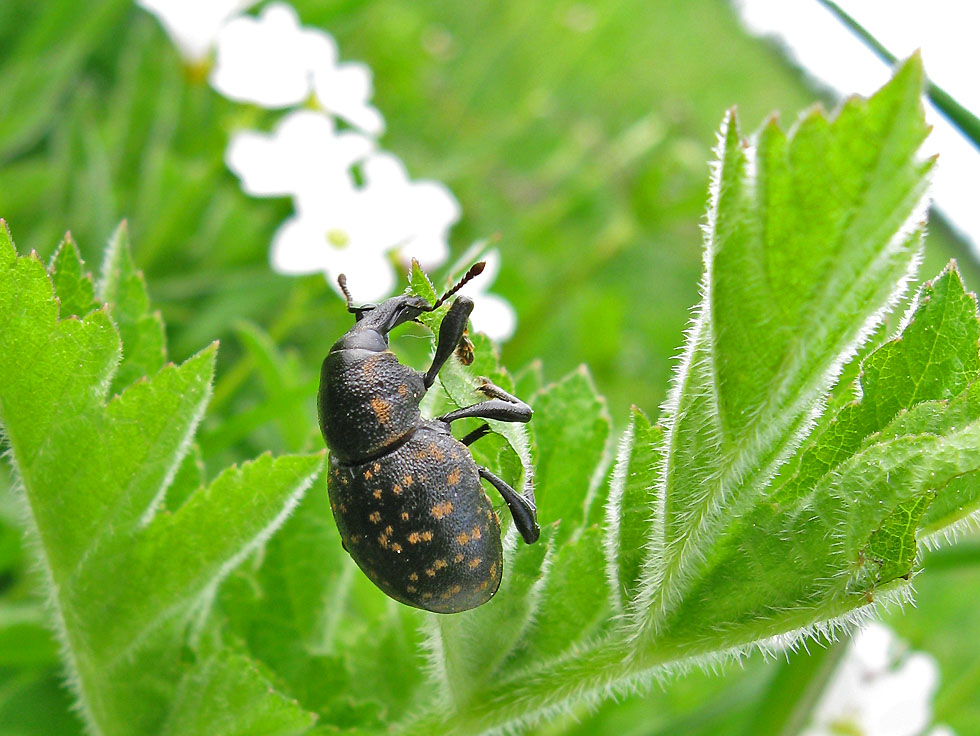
{"x": 227, "y": 695}
{"x": 810, "y": 238}
{"x": 25, "y": 639}
{"x": 891, "y": 549}
{"x": 574, "y": 601}
{"x": 628, "y": 511}
{"x": 280, "y": 379}
{"x": 571, "y": 428}
{"x": 124, "y": 289}
{"x": 128, "y": 579}
{"x": 72, "y": 283}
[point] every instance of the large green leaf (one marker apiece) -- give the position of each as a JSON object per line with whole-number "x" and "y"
{"x": 125, "y": 579}
{"x": 810, "y": 238}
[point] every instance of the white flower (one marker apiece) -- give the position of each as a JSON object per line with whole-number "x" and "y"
{"x": 274, "y": 62}
{"x": 875, "y": 692}
{"x": 304, "y": 154}
{"x": 346, "y": 240}
{"x": 193, "y": 25}
{"x": 425, "y": 210}
{"x": 346, "y": 90}
{"x": 268, "y": 60}
{"x": 351, "y": 229}
{"x": 492, "y": 315}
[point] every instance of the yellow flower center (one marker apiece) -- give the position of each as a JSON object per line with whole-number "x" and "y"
{"x": 337, "y": 238}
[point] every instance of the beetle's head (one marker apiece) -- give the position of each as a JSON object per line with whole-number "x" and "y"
{"x": 398, "y": 310}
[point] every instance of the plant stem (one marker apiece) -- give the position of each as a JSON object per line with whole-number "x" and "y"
{"x": 964, "y": 120}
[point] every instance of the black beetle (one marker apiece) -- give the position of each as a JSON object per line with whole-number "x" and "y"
{"x": 406, "y": 495}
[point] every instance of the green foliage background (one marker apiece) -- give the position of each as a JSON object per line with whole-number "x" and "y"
{"x": 585, "y": 150}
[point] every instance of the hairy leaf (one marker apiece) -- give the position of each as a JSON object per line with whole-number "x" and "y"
{"x": 126, "y": 578}
{"x": 727, "y": 524}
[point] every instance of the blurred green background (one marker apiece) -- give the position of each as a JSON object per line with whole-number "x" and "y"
{"x": 578, "y": 134}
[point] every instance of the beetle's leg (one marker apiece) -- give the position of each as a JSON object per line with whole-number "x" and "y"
{"x": 476, "y": 434}
{"x": 450, "y": 333}
{"x": 523, "y": 511}
{"x": 498, "y": 409}
{"x": 502, "y": 407}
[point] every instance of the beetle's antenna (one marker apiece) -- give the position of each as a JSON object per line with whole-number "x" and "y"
{"x": 475, "y": 270}
{"x": 342, "y": 280}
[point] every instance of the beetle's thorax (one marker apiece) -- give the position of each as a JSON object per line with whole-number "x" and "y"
{"x": 368, "y": 401}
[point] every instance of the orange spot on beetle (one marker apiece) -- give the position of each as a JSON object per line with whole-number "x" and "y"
{"x": 381, "y": 409}
{"x": 413, "y": 576}
{"x": 442, "y": 509}
{"x": 453, "y": 477}
{"x": 439, "y": 564}
{"x": 375, "y": 517}
{"x": 377, "y": 493}
{"x": 474, "y": 563}
{"x": 426, "y": 536}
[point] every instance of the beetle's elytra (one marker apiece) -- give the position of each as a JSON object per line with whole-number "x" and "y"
{"x": 406, "y": 495}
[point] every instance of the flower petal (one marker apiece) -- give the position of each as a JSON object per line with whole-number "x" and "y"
{"x": 345, "y": 90}
{"x": 193, "y": 25}
{"x": 494, "y": 316}
{"x": 304, "y": 156}
{"x": 299, "y": 247}
{"x": 430, "y": 249}
{"x": 370, "y": 276}
{"x": 434, "y": 205}
{"x": 264, "y": 60}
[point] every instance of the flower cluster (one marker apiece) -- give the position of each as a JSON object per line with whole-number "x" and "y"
{"x": 356, "y": 208}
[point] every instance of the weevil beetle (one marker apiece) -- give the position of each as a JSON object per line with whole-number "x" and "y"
{"x": 406, "y": 495}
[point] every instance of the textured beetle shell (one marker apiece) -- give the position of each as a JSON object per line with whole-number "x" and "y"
{"x": 367, "y": 402}
{"x": 419, "y": 524}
